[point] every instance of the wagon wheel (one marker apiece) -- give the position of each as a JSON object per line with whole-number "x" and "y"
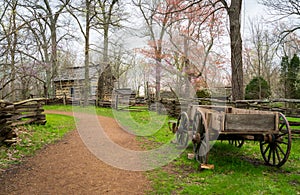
{"x": 236, "y": 142}
{"x": 182, "y": 130}
{"x": 276, "y": 149}
{"x": 200, "y": 138}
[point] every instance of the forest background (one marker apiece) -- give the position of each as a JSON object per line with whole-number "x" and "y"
{"x": 166, "y": 45}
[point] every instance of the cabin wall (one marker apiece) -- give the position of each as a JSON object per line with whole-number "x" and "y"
{"x": 73, "y": 89}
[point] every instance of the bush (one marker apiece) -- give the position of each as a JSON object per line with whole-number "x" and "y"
{"x": 252, "y": 89}
{"x": 203, "y": 93}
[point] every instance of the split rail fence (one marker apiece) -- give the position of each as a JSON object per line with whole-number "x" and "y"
{"x": 19, "y": 113}
{"x": 289, "y": 107}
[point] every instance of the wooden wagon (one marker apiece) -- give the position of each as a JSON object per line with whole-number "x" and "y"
{"x": 202, "y": 124}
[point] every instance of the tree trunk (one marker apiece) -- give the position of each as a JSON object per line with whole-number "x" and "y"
{"x": 105, "y": 81}
{"x": 157, "y": 79}
{"x": 234, "y": 13}
{"x": 13, "y": 50}
{"x": 53, "y": 58}
{"x": 86, "y": 89}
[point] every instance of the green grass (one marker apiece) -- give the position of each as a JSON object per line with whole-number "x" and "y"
{"x": 237, "y": 171}
{"x": 66, "y": 108}
{"x": 293, "y": 119}
{"x": 33, "y": 137}
{"x": 89, "y": 109}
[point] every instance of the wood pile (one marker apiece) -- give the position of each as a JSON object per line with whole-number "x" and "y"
{"x": 172, "y": 107}
{"x": 19, "y": 113}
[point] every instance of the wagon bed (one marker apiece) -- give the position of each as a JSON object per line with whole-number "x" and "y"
{"x": 205, "y": 123}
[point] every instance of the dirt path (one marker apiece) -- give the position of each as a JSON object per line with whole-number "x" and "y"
{"x": 68, "y": 167}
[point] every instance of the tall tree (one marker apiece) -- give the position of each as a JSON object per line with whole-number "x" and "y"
{"x": 41, "y": 19}
{"x": 9, "y": 42}
{"x": 108, "y": 15}
{"x": 233, "y": 9}
{"x": 157, "y": 16}
{"x": 193, "y": 38}
{"x": 237, "y": 81}
{"x": 87, "y": 10}
{"x": 260, "y": 54}
{"x": 290, "y": 76}
{"x": 49, "y": 13}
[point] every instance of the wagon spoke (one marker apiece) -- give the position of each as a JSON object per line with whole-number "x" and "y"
{"x": 269, "y": 155}
{"x": 282, "y": 134}
{"x": 282, "y": 142}
{"x": 199, "y": 138}
{"x": 264, "y": 142}
{"x": 278, "y": 155}
{"x": 281, "y": 150}
{"x": 282, "y": 125}
{"x": 236, "y": 142}
{"x": 182, "y": 132}
{"x": 273, "y": 154}
{"x": 266, "y": 150}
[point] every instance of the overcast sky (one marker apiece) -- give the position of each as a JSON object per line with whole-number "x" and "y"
{"x": 252, "y": 8}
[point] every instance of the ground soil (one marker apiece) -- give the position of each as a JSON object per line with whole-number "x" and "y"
{"x": 68, "y": 167}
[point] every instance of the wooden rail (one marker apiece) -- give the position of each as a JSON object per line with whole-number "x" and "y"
{"x": 19, "y": 113}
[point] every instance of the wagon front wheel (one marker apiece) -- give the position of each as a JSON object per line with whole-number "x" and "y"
{"x": 200, "y": 139}
{"x": 276, "y": 148}
{"x": 182, "y": 130}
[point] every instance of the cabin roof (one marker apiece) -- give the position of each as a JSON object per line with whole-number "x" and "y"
{"x": 124, "y": 91}
{"x": 77, "y": 73}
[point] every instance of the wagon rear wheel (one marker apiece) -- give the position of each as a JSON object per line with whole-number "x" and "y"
{"x": 200, "y": 138}
{"x": 183, "y": 124}
{"x": 236, "y": 142}
{"x": 276, "y": 149}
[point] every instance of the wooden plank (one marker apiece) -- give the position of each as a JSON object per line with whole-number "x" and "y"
{"x": 8, "y": 108}
{"x": 294, "y": 123}
{"x": 217, "y": 121}
{"x": 250, "y": 122}
{"x": 30, "y": 101}
{"x": 32, "y": 115}
{"x": 27, "y": 106}
{"x": 248, "y": 111}
{"x": 32, "y": 110}
{"x": 22, "y": 122}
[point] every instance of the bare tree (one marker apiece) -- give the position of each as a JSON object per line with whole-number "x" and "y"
{"x": 45, "y": 12}
{"x": 233, "y": 9}
{"x": 260, "y": 54}
{"x": 284, "y": 9}
{"x": 10, "y": 37}
{"x": 157, "y": 16}
{"x": 109, "y": 14}
{"x": 193, "y": 37}
{"x": 87, "y": 11}
{"x": 122, "y": 61}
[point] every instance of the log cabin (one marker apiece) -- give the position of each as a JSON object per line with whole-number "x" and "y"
{"x": 70, "y": 83}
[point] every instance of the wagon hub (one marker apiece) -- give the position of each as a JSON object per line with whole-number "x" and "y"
{"x": 270, "y": 138}
{"x": 196, "y": 138}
